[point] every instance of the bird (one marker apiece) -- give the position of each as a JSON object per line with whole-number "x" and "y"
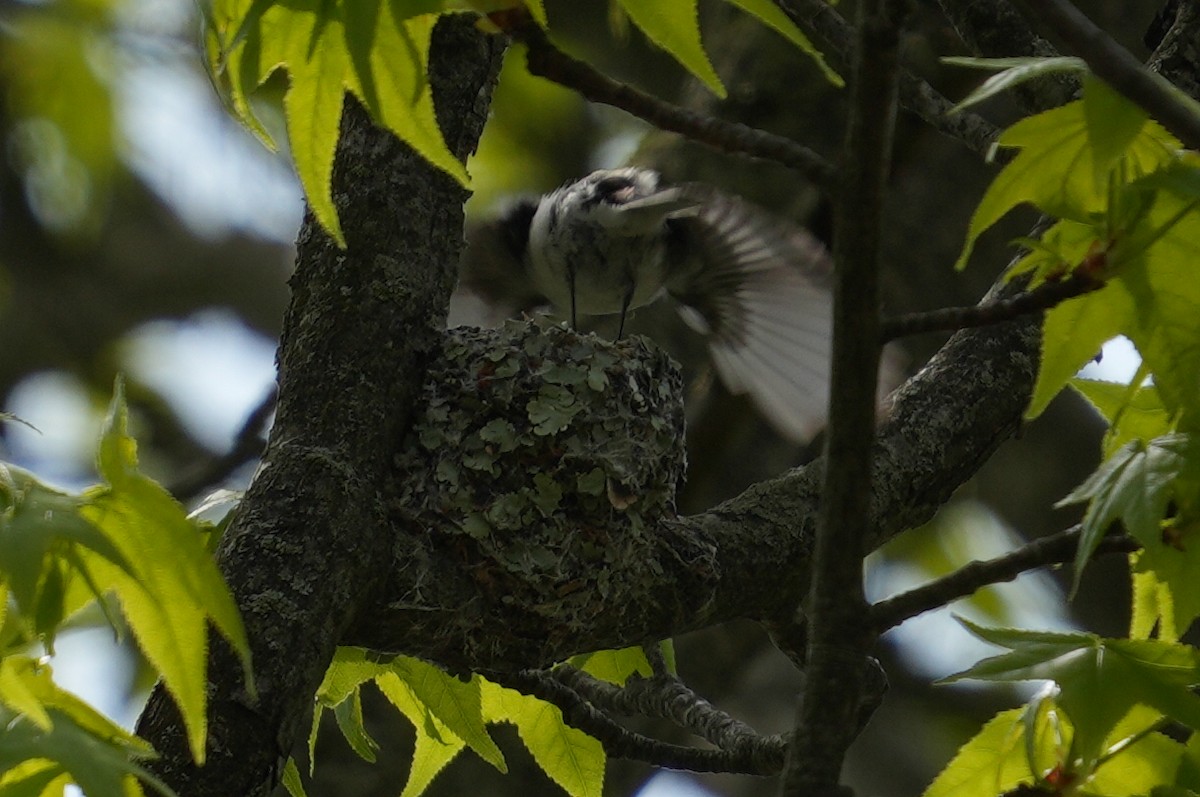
{"x": 758, "y": 288}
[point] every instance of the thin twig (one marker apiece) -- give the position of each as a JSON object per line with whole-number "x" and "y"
{"x": 1043, "y": 297}
{"x": 1052, "y": 550}
{"x": 247, "y": 445}
{"x": 546, "y": 60}
{"x": 1116, "y": 66}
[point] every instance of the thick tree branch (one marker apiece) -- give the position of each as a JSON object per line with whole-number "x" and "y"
{"x": 839, "y": 634}
{"x": 302, "y": 558}
{"x": 1113, "y": 64}
{"x": 546, "y": 60}
{"x": 968, "y": 579}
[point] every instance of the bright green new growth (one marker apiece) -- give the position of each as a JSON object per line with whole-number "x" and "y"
{"x": 449, "y": 714}
{"x": 1114, "y": 694}
{"x": 378, "y": 51}
{"x": 59, "y": 553}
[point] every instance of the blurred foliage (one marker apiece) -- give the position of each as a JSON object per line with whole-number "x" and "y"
{"x": 59, "y": 553}
{"x": 56, "y": 60}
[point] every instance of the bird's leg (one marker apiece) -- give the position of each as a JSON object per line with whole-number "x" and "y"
{"x": 625, "y": 301}
{"x": 571, "y": 288}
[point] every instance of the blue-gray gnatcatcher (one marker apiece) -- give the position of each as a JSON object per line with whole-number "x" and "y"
{"x": 756, "y": 287}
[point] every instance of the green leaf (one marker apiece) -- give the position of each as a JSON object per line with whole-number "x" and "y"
{"x": 569, "y": 756}
{"x": 1100, "y": 680}
{"x": 994, "y": 761}
{"x": 1113, "y": 122}
{"x": 1140, "y": 761}
{"x": 349, "y": 718}
{"x": 60, "y": 117}
{"x": 436, "y": 744}
{"x": 614, "y": 666}
{"x": 77, "y": 740}
{"x": 1166, "y": 586}
{"x": 1132, "y": 414}
{"x": 1011, "y": 72}
{"x": 675, "y": 26}
{"x": 1156, "y": 266}
{"x": 175, "y": 589}
{"x": 770, "y": 14}
{"x": 377, "y": 49}
{"x": 1135, "y": 485}
{"x": 40, "y": 529}
{"x": 1059, "y": 171}
{"x": 1073, "y": 333}
{"x": 455, "y": 703}
{"x": 290, "y": 778}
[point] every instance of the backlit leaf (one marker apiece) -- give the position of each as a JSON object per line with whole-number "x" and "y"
{"x": 175, "y": 589}
{"x": 1100, "y": 680}
{"x": 674, "y": 26}
{"x": 569, "y": 756}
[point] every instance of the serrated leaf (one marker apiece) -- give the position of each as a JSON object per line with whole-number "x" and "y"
{"x": 994, "y": 761}
{"x": 436, "y": 745}
{"x": 1134, "y": 485}
{"x": 350, "y": 668}
{"x": 1113, "y": 122}
{"x": 290, "y": 778}
{"x": 674, "y": 25}
{"x": 1157, "y": 261}
{"x": 175, "y": 589}
{"x": 1140, "y": 760}
{"x": 1100, "y": 680}
{"x": 572, "y": 759}
{"x": 1011, "y": 72}
{"x": 1166, "y": 588}
{"x": 771, "y": 16}
{"x": 349, "y": 718}
{"x": 1057, "y": 167}
{"x": 1132, "y": 414}
{"x": 74, "y": 738}
{"x": 455, "y": 703}
{"x": 100, "y": 766}
{"x": 614, "y": 666}
{"x": 1072, "y": 334}
{"x": 40, "y": 529}
{"x": 377, "y": 49}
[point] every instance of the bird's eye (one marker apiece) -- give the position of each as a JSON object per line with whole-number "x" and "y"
{"x": 616, "y": 190}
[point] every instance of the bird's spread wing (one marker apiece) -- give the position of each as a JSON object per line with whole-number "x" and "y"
{"x": 760, "y": 290}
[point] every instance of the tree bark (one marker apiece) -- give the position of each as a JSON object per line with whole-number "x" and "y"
{"x": 302, "y": 558}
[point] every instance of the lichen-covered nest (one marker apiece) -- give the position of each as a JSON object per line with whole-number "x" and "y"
{"x": 539, "y": 460}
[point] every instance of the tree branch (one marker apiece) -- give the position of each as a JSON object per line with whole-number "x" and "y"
{"x": 968, "y": 579}
{"x": 760, "y": 755}
{"x": 546, "y": 60}
{"x": 840, "y": 634}
{"x": 1043, "y": 297}
{"x": 665, "y": 697}
{"x": 1113, "y": 64}
{"x": 302, "y": 558}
